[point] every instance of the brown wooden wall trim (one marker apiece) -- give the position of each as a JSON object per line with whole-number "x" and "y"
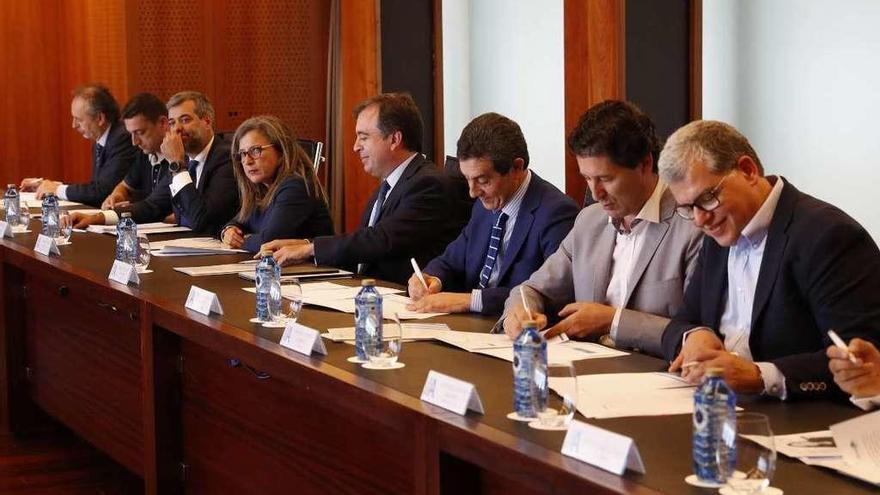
{"x": 695, "y": 48}
{"x": 594, "y": 66}
{"x": 359, "y": 42}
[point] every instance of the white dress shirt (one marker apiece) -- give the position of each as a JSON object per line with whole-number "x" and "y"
{"x": 61, "y": 192}
{"x": 512, "y": 210}
{"x": 866, "y": 403}
{"x": 743, "y": 267}
{"x": 179, "y": 181}
{"x": 627, "y": 248}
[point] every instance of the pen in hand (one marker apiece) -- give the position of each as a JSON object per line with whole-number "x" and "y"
{"x": 842, "y": 346}
{"x": 418, "y": 271}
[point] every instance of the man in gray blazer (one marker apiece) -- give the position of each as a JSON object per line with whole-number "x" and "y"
{"x": 622, "y": 269}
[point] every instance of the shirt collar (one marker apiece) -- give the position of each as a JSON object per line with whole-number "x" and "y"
{"x": 650, "y": 211}
{"x": 204, "y": 153}
{"x": 512, "y": 206}
{"x": 756, "y": 229}
{"x": 156, "y": 158}
{"x": 102, "y": 141}
{"x": 395, "y": 174}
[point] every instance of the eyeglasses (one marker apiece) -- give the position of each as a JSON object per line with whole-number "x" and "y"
{"x": 707, "y": 201}
{"x": 254, "y": 152}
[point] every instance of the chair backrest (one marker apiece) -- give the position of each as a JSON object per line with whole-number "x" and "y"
{"x": 315, "y": 150}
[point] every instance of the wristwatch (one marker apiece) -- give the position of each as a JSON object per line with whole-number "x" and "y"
{"x": 175, "y": 167}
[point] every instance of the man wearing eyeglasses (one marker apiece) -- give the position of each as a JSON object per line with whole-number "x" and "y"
{"x": 778, "y": 269}
{"x": 621, "y": 271}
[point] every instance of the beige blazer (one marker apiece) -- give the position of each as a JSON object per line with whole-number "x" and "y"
{"x": 580, "y": 270}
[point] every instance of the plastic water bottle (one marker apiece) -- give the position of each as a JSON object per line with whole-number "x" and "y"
{"x": 529, "y": 371}
{"x": 367, "y": 319}
{"x": 714, "y": 405}
{"x": 268, "y": 280}
{"x": 50, "y": 216}
{"x": 12, "y": 205}
{"x": 126, "y": 240}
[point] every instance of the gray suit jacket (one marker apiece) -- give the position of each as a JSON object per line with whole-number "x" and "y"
{"x": 580, "y": 270}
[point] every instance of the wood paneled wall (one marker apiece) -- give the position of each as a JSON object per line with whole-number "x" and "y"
{"x": 359, "y": 46}
{"x": 249, "y": 57}
{"x": 594, "y": 67}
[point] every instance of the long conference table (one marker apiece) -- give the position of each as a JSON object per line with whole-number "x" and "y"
{"x": 202, "y": 404}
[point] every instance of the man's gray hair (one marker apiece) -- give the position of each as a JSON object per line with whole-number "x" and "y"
{"x": 204, "y": 108}
{"x": 715, "y": 144}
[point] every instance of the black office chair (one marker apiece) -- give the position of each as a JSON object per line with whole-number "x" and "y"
{"x": 463, "y": 200}
{"x": 315, "y": 150}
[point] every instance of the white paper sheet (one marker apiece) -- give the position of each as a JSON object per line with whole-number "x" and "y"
{"x": 617, "y": 395}
{"x": 226, "y": 269}
{"x": 559, "y": 353}
{"x": 30, "y": 200}
{"x": 411, "y": 331}
{"x": 191, "y": 245}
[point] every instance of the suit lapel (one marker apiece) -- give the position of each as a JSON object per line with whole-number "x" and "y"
{"x": 602, "y": 254}
{"x": 208, "y": 166}
{"x": 715, "y": 281}
{"x": 393, "y": 197}
{"x": 777, "y": 239}
{"x": 654, "y": 235}
{"x": 524, "y": 220}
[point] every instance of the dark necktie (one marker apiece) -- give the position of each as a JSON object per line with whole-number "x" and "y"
{"x": 495, "y": 238}
{"x": 191, "y": 168}
{"x": 380, "y": 200}
{"x": 621, "y": 228}
{"x": 99, "y": 155}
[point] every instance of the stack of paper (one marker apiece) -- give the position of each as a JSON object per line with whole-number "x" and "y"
{"x": 341, "y": 298}
{"x": 30, "y": 200}
{"x": 851, "y": 447}
{"x": 144, "y": 228}
{"x": 617, "y": 395}
{"x": 411, "y": 331}
{"x": 193, "y": 246}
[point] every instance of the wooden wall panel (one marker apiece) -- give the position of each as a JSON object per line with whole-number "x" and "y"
{"x": 594, "y": 67}
{"x": 29, "y": 62}
{"x": 264, "y": 56}
{"x": 359, "y": 41}
{"x": 279, "y": 51}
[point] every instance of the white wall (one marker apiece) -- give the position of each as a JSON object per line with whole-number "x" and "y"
{"x": 506, "y": 56}
{"x": 801, "y": 79}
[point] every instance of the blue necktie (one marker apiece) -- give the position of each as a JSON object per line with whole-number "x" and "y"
{"x": 380, "y": 200}
{"x": 191, "y": 168}
{"x": 495, "y": 238}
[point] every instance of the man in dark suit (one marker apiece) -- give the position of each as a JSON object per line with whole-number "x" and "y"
{"x": 518, "y": 222}
{"x": 146, "y": 119}
{"x": 408, "y": 217}
{"x": 204, "y": 195}
{"x": 777, "y": 270}
{"x": 96, "y": 116}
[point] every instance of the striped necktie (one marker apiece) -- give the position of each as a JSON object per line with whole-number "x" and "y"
{"x": 494, "y": 248}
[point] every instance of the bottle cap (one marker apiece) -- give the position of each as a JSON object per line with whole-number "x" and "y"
{"x": 10, "y": 186}
{"x": 127, "y": 214}
{"x": 530, "y": 324}
{"x": 368, "y": 282}
{"x": 265, "y": 253}
{"x": 715, "y": 371}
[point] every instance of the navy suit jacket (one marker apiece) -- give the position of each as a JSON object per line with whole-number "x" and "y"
{"x": 820, "y": 270}
{"x": 119, "y": 155}
{"x": 545, "y": 217}
{"x": 210, "y": 206}
{"x": 418, "y": 219}
{"x": 292, "y": 214}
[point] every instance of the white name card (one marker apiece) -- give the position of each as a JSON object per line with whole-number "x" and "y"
{"x": 46, "y": 245}
{"x": 124, "y": 273}
{"x": 302, "y": 339}
{"x": 451, "y": 393}
{"x": 602, "y": 448}
{"x": 5, "y": 229}
{"x": 203, "y": 301}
